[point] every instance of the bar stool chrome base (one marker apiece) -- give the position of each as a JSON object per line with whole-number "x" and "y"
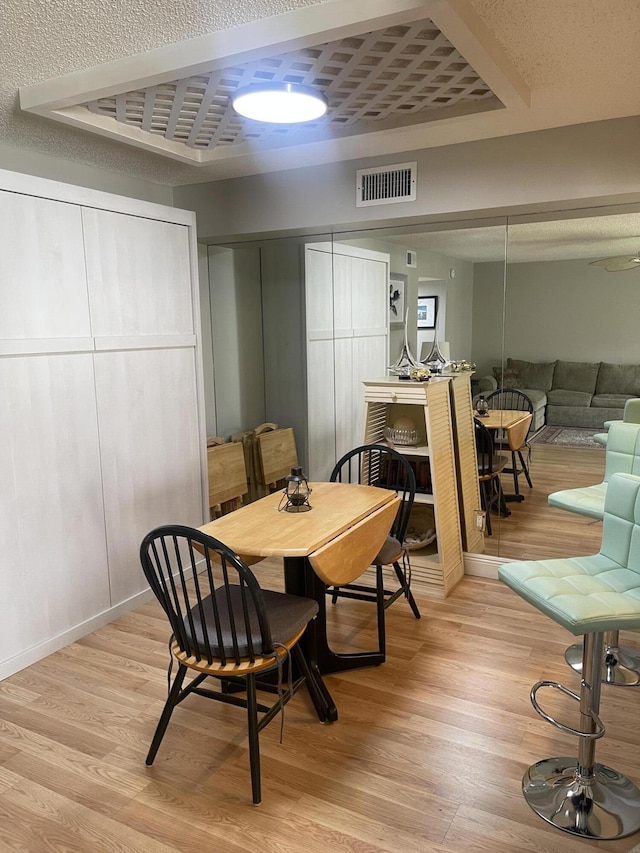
{"x": 604, "y": 805}
{"x": 620, "y": 664}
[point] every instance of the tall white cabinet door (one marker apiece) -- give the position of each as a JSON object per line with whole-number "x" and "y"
{"x": 54, "y": 574}
{"x": 148, "y": 422}
{"x": 44, "y": 292}
{"x": 138, "y": 274}
{"x": 321, "y": 402}
{"x": 361, "y": 339}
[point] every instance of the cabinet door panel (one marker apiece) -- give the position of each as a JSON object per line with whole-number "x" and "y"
{"x": 148, "y": 417}
{"x": 44, "y": 291}
{"x": 369, "y": 295}
{"x": 51, "y": 527}
{"x": 319, "y": 294}
{"x": 342, "y": 301}
{"x": 139, "y": 275}
{"x": 346, "y": 403}
{"x": 320, "y": 409}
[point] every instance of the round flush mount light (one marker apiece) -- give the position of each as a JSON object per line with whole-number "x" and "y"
{"x": 279, "y": 103}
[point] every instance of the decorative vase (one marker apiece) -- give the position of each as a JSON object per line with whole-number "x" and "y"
{"x": 434, "y": 360}
{"x": 405, "y": 362}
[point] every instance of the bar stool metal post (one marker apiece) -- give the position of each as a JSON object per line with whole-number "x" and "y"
{"x": 589, "y": 596}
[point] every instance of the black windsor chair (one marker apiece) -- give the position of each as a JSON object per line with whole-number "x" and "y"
{"x": 379, "y": 465}
{"x": 514, "y": 400}
{"x": 490, "y": 466}
{"x": 226, "y": 627}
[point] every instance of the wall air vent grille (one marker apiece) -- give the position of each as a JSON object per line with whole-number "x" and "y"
{"x": 385, "y": 185}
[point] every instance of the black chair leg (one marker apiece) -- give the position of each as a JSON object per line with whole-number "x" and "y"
{"x": 407, "y": 590}
{"x": 254, "y": 745}
{"x": 334, "y": 597}
{"x": 525, "y": 469}
{"x": 169, "y": 705}
{"x": 485, "y": 500}
{"x": 382, "y": 638}
{"x": 516, "y": 471}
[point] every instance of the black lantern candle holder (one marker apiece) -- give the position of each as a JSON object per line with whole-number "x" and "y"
{"x": 295, "y": 497}
{"x": 482, "y": 407}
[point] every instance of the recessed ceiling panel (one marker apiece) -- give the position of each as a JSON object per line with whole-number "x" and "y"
{"x": 401, "y": 73}
{"x": 384, "y": 66}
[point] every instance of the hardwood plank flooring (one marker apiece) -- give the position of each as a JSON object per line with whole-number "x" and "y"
{"x": 536, "y": 531}
{"x": 427, "y": 754}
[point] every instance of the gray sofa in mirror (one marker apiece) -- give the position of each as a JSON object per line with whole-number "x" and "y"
{"x": 569, "y": 393}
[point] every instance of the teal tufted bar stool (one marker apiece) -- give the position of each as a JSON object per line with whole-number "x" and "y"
{"x": 589, "y": 596}
{"x": 620, "y": 664}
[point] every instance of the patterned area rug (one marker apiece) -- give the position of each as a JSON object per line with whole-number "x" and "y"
{"x": 567, "y": 437}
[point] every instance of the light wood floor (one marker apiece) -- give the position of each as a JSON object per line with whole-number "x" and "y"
{"x": 536, "y": 531}
{"x": 427, "y": 754}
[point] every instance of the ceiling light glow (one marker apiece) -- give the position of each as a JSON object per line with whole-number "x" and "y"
{"x": 279, "y": 103}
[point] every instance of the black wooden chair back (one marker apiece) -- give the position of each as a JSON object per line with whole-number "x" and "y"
{"x": 514, "y": 400}
{"x": 212, "y": 599}
{"x": 227, "y": 628}
{"x": 381, "y": 466}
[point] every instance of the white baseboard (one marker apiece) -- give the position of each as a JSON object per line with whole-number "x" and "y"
{"x": 482, "y": 565}
{"x": 53, "y": 644}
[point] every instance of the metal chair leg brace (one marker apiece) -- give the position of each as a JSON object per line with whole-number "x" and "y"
{"x": 582, "y": 797}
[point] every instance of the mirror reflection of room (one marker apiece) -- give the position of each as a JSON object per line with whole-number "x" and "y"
{"x": 542, "y": 318}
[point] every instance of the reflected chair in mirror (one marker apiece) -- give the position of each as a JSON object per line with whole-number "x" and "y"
{"x": 630, "y": 415}
{"x": 248, "y": 441}
{"x": 227, "y": 482}
{"x": 621, "y": 664}
{"x": 588, "y": 596}
{"x": 225, "y": 627}
{"x": 516, "y": 438}
{"x": 490, "y": 466}
{"x": 277, "y": 455}
{"x": 227, "y": 478}
{"x": 379, "y": 465}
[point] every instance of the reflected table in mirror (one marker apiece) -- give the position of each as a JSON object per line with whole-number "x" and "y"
{"x": 515, "y": 426}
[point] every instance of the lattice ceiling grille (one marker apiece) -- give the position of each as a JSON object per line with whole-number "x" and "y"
{"x": 392, "y": 74}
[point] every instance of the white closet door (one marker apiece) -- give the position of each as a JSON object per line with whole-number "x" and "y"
{"x": 54, "y": 574}
{"x": 139, "y": 275}
{"x": 318, "y": 294}
{"x": 148, "y": 421}
{"x": 369, "y": 358}
{"x": 321, "y": 408}
{"x": 369, "y": 297}
{"x": 44, "y": 291}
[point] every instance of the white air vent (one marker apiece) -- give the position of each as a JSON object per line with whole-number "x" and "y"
{"x": 387, "y": 184}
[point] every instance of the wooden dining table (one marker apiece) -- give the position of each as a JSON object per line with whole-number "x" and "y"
{"x": 515, "y": 424}
{"x": 330, "y": 544}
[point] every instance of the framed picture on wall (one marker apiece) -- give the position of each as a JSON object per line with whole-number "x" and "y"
{"x": 397, "y": 285}
{"x": 427, "y": 311}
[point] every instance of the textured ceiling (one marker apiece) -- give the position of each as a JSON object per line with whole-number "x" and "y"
{"x": 578, "y": 58}
{"x": 554, "y": 240}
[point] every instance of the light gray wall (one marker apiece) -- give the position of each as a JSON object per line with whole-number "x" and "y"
{"x": 488, "y": 307}
{"x": 236, "y": 328}
{"x": 556, "y": 310}
{"x": 569, "y": 166}
{"x": 67, "y": 171}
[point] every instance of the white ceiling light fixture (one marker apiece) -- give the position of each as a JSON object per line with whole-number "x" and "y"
{"x": 279, "y": 103}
